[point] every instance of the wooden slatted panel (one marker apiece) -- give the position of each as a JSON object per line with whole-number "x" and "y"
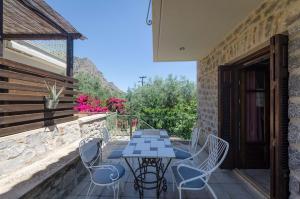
{"x": 9, "y": 108}
{"x": 22, "y": 87}
{"x": 32, "y": 78}
{"x": 14, "y": 97}
{"x": 34, "y": 116}
{"x": 35, "y": 125}
{"x": 22, "y": 98}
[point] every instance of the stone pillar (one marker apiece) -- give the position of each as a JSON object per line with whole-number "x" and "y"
{"x": 294, "y": 108}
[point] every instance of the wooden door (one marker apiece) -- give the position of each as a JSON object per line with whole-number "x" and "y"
{"x": 279, "y": 117}
{"x": 226, "y": 110}
{"x": 254, "y": 116}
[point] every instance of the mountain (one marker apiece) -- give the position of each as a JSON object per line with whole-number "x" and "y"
{"x": 87, "y": 66}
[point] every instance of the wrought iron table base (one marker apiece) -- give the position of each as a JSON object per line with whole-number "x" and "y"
{"x": 143, "y": 171}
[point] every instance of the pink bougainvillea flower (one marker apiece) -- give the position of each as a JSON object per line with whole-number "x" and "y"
{"x": 82, "y": 99}
{"x": 116, "y": 104}
{"x": 87, "y": 103}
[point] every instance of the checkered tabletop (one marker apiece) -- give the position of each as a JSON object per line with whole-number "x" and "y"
{"x": 150, "y": 143}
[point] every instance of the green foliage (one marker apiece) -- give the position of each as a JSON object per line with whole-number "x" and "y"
{"x": 165, "y": 103}
{"x": 91, "y": 85}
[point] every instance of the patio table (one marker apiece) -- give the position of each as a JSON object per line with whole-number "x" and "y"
{"x": 150, "y": 148}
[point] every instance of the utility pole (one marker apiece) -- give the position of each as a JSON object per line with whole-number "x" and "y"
{"x": 142, "y": 79}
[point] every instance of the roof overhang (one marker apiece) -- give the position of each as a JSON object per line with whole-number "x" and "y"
{"x": 186, "y": 30}
{"x": 35, "y": 19}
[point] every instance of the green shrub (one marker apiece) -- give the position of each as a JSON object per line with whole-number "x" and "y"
{"x": 165, "y": 103}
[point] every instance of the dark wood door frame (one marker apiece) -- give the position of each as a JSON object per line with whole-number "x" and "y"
{"x": 229, "y": 85}
{"x": 229, "y": 127}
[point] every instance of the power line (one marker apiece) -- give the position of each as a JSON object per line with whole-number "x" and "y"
{"x": 142, "y": 79}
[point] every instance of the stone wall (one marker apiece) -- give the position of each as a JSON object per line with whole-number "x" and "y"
{"x": 294, "y": 107}
{"x": 92, "y": 125}
{"x": 23, "y": 149}
{"x": 61, "y": 183}
{"x": 45, "y": 161}
{"x": 270, "y": 18}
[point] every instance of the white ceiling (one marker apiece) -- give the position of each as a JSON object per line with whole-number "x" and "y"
{"x": 196, "y": 25}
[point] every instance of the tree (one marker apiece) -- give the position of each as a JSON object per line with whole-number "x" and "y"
{"x": 91, "y": 85}
{"x": 165, "y": 103}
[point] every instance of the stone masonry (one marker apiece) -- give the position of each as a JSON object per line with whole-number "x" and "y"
{"x": 270, "y": 18}
{"x": 23, "y": 149}
{"x": 45, "y": 162}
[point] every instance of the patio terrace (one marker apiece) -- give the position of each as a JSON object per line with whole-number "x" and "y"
{"x": 29, "y": 114}
{"x": 226, "y": 184}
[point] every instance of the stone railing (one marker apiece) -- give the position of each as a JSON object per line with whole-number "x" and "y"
{"x": 48, "y": 155}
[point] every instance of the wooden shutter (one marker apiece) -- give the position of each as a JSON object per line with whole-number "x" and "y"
{"x": 279, "y": 117}
{"x": 226, "y": 130}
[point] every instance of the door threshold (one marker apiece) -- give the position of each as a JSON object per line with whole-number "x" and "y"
{"x": 252, "y": 184}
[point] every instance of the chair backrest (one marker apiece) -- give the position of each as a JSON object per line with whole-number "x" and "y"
{"x": 106, "y": 135}
{"x": 194, "y": 140}
{"x": 90, "y": 151}
{"x": 217, "y": 149}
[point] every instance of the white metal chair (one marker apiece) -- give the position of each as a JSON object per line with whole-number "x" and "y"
{"x": 183, "y": 154}
{"x": 115, "y": 154}
{"x": 106, "y": 175}
{"x": 193, "y": 173}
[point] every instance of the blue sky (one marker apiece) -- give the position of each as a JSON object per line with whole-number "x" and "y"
{"x": 119, "y": 41}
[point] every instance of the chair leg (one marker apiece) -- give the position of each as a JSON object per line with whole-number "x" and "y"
{"x": 211, "y": 191}
{"x": 179, "y": 190}
{"x": 114, "y": 190}
{"x": 123, "y": 184}
{"x": 173, "y": 181}
{"x": 118, "y": 188}
{"x": 88, "y": 193}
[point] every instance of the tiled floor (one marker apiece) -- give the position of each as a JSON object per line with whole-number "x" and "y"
{"x": 259, "y": 176}
{"x": 224, "y": 182}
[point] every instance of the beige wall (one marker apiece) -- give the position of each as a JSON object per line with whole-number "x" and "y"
{"x": 33, "y": 61}
{"x": 271, "y": 17}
